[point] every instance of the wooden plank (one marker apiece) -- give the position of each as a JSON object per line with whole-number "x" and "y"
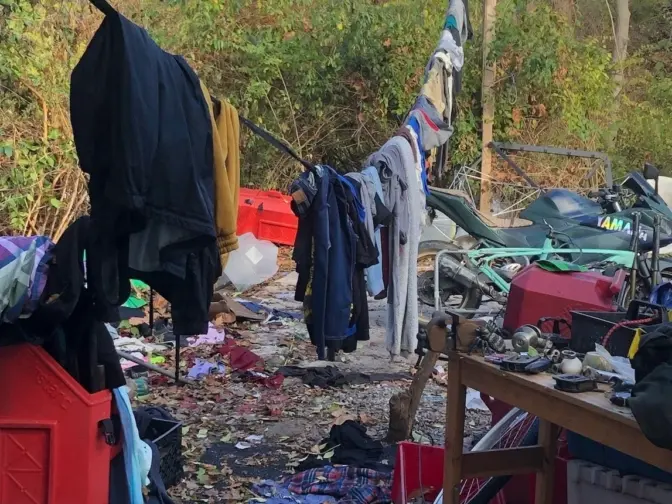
{"x": 504, "y": 462}
{"x": 589, "y": 414}
{"x": 455, "y": 411}
{"x": 548, "y": 439}
{"x": 488, "y": 103}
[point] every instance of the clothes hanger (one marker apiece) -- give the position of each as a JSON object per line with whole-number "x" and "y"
{"x": 103, "y": 6}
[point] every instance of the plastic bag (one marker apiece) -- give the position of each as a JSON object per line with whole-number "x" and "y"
{"x": 254, "y": 261}
{"x": 621, "y": 365}
{"x": 662, "y": 295}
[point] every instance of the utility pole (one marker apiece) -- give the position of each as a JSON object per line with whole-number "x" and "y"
{"x": 488, "y": 103}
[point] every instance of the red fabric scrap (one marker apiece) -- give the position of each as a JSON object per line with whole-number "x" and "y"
{"x": 242, "y": 359}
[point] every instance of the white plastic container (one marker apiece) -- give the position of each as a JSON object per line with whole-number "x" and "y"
{"x": 592, "y": 484}
{"x": 254, "y": 262}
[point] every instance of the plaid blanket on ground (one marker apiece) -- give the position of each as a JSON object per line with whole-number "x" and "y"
{"x": 23, "y": 274}
{"x": 351, "y": 485}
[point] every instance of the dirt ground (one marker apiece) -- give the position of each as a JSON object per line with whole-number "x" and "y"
{"x": 236, "y": 433}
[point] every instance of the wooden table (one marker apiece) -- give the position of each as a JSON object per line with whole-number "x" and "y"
{"x": 589, "y": 414}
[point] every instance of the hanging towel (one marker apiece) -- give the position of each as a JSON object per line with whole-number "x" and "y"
{"x": 226, "y": 149}
{"x": 133, "y": 450}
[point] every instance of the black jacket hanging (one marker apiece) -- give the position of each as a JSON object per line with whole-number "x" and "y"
{"x": 143, "y": 133}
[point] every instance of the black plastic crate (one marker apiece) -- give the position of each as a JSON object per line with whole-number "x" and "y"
{"x": 589, "y": 328}
{"x": 167, "y": 436}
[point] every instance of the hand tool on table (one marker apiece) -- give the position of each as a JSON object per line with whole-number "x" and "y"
{"x": 574, "y": 383}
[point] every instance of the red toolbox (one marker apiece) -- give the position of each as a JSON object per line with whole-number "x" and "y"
{"x": 267, "y": 215}
{"x": 51, "y": 448}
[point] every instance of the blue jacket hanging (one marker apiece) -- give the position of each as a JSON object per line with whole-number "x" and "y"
{"x": 324, "y": 255}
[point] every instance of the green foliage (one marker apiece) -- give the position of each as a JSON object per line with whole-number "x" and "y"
{"x": 334, "y": 78}
{"x": 39, "y": 44}
{"x": 546, "y": 73}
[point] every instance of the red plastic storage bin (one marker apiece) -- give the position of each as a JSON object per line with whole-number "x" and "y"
{"x": 267, "y": 215}
{"x": 417, "y": 468}
{"x": 51, "y": 448}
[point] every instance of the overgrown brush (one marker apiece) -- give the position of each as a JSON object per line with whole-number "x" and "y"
{"x": 332, "y": 77}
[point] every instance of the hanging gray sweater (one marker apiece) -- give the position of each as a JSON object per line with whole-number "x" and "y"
{"x": 396, "y": 166}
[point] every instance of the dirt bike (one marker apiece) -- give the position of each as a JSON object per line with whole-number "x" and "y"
{"x": 583, "y": 230}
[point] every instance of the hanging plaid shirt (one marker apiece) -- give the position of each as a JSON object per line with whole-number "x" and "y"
{"x": 351, "y": 485}
{"x": 23, "y": 274}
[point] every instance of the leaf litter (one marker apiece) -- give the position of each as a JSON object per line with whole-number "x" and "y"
{"x": 236, "y": 433}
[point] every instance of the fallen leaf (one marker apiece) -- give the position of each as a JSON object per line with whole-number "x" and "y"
{"x": 343, "y": 418}
{"x": 225, "y": 318}
{"x": 202, "y": 433}
{"x": 202, "y": 477}
{"x": 366, "y": 419}
{"x": 226, "y": 438}
{"x": 243, "y": 446}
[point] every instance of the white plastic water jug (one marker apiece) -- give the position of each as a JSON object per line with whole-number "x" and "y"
{"x": 254, "y": 262}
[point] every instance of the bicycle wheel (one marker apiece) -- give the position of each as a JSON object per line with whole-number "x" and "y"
{"x": 516, "y": 429}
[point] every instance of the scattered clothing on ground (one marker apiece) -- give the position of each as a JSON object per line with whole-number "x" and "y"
{"x": 203, "y": 368}
{"x": 240, "y": 359}
{"x": 274, "y": 381}
{"x": 258, "y": 308}
{"x": 352, "y": 446}
{"x": 350, "y": 485}
{"x": 331, "y": 376}
{"x": 275, "y": 493}
{"x": 214, "y": 336}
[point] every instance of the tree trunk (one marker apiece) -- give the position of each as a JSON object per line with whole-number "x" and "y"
{"x": 404, "y": 405}
{"x": 621, "y": 37}
{"x": 565, "y": 8}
